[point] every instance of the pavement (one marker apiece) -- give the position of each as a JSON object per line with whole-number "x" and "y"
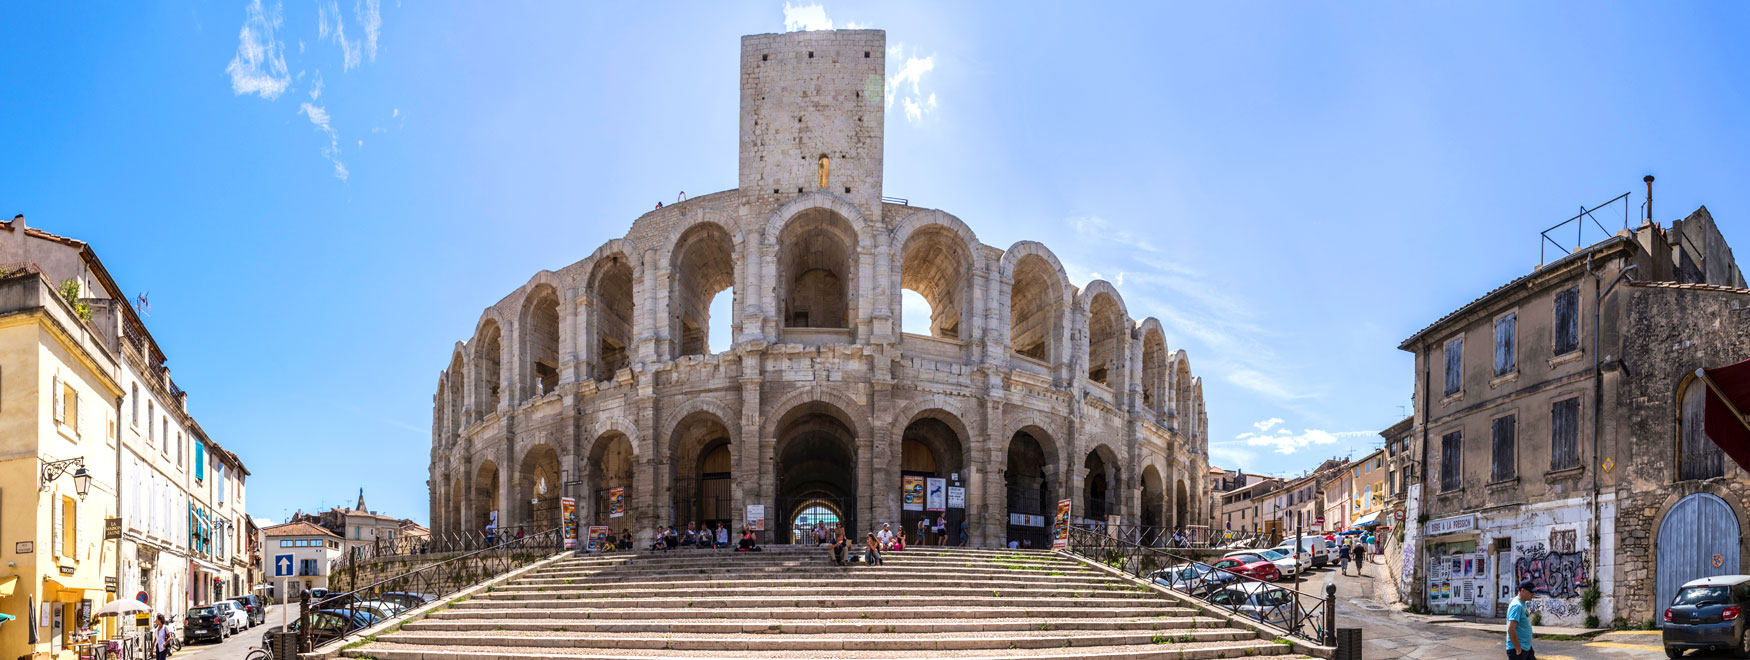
{"x": 1389, "y": 633}
{"x": 240, "y": 644}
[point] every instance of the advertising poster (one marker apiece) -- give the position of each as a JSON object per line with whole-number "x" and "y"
{"x": 956, "y": 497}
{"x": 1060, "y": 526}
{"x": 911, "y": 493}
{"x": 936, "y": 494}
{"x": 616, "y": 502}
{"x": 598, "y": 536}
{"x": 756, "y": 517}
{"x": 568, "y": 511}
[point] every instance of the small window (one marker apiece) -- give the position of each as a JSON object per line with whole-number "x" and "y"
{"x": 1505, "y": 360}
{"x": 285, "y": 544}
{"x": 763, "y": 58}
{"x": 70, "y": 398}
{"x": 134, "y": 417}
{"x": 151, "y": 431}
{"x": 1505, "y": 464}
{"x": 1564, "y": 431}
{"x": 1454, "y": 366}
{"x": 1451, "y": 453}
{"x": 811, "y": 54}
{"x": 70, "y": 523}
{"x": 1568, "y": 321}
{"x": 865, "y": 54}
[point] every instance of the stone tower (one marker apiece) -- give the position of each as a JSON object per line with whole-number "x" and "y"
{"x": 809, "y": 96}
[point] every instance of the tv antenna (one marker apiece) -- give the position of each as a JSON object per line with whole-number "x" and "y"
{"x": 142, "y": 305}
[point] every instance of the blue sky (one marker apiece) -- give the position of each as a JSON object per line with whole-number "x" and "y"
{"x": 322, "y": 197}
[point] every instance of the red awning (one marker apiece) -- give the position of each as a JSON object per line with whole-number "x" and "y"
{"x": 1728, "y": 397}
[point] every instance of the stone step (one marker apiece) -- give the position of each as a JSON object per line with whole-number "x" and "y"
{"x": 847, "y": 591}
{"x": 929, "y": 641}
{"x": 801, "y": 600}
{"x": 821, "y": 564}
{"x": 874, "y": 579}
{"x": 1193, "y": 651}
{"x": 821, "y": 559}
{"x": 786, "y": 626}
{"x": 473, "y": 611}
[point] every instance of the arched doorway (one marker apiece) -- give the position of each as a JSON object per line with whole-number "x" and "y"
{"x": 1697, "y": 539}
{"x": 1154, "y": 507}
{"x": 1098, "y": 484}
{"x": 484, "y": 494}
{"x": 537, "y": 490}
{"x": 810, "y": 513}
{"x": 1029, "y": 478}
{"x": 610, "y": 468}
{"x": 931, "y": 449}
{"x": 703, "y": 466}
{"x": 817, "y": 458}
{"x": 817, "y": 262}
{"x": 1181, "y": 505}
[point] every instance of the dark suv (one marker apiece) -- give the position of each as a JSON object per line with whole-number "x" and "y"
{"x": 1709, "y": 614}
{"x": 255, "y": 606}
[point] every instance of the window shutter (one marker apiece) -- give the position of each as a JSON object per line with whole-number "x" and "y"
{"x": 60, "y": 524}
{"x": 1454, "y": 366}
{"x": 200, "y": 461}
{"x": 1567, "y": 321}
{"x": 1564, "y": 434}
{"x": 1504, "y": 362}
{"x": 1505, "y": 459}
{"x": 60, "y": 400}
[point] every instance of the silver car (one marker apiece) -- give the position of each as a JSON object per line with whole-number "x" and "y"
{"x": 1263, "y": 602}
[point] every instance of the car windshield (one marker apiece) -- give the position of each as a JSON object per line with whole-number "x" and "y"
{"x": 1702, "y": 596}
{"x": 1246, "y": 558}
{"x": 1274, "y": 555}
{"x": 201, "y": 611}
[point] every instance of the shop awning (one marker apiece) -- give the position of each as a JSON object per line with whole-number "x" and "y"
{"x": 7, "y": 585}
{"x": 1728, "y": 397}
{"x": 1368, "y": 520}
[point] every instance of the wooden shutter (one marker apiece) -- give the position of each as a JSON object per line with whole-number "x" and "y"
{"x": 1451, "y": 452}
{"x": 1454, "y": 365}
{"x": 60, "y": 523}
{"x": 1567, "y": 321}
{"x": 1564, "y": 434}
{"x": 1506, "y": 461}
{"x": 60, "y": 405}
{"x": 1701, "y": 458}
{"x": 1504, "y": 358}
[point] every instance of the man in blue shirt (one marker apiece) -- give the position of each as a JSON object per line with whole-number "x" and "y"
{"x": 1519, "y": 625}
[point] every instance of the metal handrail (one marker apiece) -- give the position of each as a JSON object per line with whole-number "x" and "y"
{"x": 1308, "y": 617}
{"x": 432, "y": 581}
{"x": 1186, "y": 537}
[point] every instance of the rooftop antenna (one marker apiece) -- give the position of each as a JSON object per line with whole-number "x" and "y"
{"x": 141, "y": 305}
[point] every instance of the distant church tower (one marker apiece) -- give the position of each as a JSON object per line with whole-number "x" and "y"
{"x": 361, "y": 506}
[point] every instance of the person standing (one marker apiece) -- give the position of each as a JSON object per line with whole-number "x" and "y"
{"x": 1343, "y": 558}
{"x": 1519, "y": 624}
{"x": 161, "y": 640}
{"x": 924, "y": 530}
{"x": 965, "y": 534}
{"x": 942, "y": 529}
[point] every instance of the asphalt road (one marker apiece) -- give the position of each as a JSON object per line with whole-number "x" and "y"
{"x": 239, "y": 644}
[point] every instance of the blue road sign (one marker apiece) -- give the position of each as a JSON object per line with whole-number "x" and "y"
{"x": 282, "y": 565}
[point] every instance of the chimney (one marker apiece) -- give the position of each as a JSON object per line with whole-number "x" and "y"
{"x": 1649, "y": 180}
{"x": 18, "y": 221}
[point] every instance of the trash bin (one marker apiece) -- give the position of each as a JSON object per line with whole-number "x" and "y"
{"x": 1348, "y": 644}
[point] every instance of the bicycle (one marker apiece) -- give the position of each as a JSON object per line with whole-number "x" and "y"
{"x": 256, "y": 653}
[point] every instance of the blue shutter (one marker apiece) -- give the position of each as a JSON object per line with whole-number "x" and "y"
{"x": 200, "y": 461}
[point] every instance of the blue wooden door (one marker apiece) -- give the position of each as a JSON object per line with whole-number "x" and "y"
{"x": 1699, "y": 538}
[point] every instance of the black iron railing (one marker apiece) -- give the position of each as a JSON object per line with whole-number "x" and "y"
{"x": 1186, "y": 537}
{"x": 1304, "y": 616}
{"x": 364, "y": 606}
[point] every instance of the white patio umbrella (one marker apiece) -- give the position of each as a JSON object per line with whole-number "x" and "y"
{"x": 122, "y": 606}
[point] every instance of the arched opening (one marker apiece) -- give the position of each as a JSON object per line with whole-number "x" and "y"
{"x": 610, "y": 468}
{"x": 703, "y": 468}
{"x": 484, "y": 495}
{"x": 1698, "y": 457}
{"x": 458, "y": 391}
{"x": 817, "y": 459}
{"x": 538, "y": 486}
{"x": 1098, "y": 483}
{"x": 931, "y": 449}
{"x": 815, "y": 512}
{"x": 1035, "y": 309}
{"x": 540, "y": 332}
{"x": 1028, "y": 478}
{"x": 487, "y": 372}
{"x": 1185, "y": 422}
{"x": 611, "y": 291}
{"x": 1181, "y": 505}
{"x": 1154, "y": 370}
{"x": 817, "y": 252}
{"x": 935, "y": 266}
{"x": 453, "y": 514}
{"x": 703, "y": 268}
{"x": 1106, "y": 328}
{"x": 1154, "y": 507}
{"x": 1698, "y": 538}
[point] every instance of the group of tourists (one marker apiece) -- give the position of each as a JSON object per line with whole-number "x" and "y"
{"x": 698, "y": 537}
{"x": 1358, "y": 549}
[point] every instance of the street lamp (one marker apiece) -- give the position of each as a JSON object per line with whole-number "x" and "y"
{"x": 53, "y": 470}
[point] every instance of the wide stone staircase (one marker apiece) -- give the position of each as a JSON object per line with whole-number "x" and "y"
{"x": 790, "y": 602}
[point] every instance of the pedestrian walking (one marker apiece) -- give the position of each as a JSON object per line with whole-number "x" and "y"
{"x": 942, "y": 529}
{"x": 1519, "y": 624}
{"x": 924, "y": 530}
{"x": 1360, "y": 557}
{"x": 1372, "y": 546}
{"x": 1343, "y": 558}
{"x": 965, "y": 535}
{"x": 161, "y": 639}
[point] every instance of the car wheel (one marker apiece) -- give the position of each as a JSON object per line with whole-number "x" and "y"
{"x": 1673, "y": 652}
{"x": 1743, "y": 650}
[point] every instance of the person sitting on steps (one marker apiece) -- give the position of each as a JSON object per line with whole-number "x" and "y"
{"x": 747, "y": 543}
{"x": 872, "y": 549}
{"x": 840, "y": 550}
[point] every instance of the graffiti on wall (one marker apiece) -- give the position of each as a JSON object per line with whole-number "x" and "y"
{"x": 1552, "y": 574}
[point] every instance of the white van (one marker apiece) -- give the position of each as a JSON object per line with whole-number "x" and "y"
{"x": 1309, "y": 545}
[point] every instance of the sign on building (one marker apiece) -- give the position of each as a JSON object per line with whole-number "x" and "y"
{"x": 936, "y": 494}
{"x": 956, "y": 497}
{"x": 616, "y": 501}
{"x": 911, "y": 493}
{"x": 756, "y": 517}
{"x": 1060, "y": 529}
{"x": 1452, "y": 525}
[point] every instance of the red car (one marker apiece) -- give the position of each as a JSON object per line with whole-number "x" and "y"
{"x": 1250, "y": 565}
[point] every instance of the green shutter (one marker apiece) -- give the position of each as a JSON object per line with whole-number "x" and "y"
{"x": 200, "y": 461}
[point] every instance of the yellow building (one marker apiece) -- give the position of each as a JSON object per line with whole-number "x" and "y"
{"x": 58, "y": 395}
{"x": 1367, "y": 495}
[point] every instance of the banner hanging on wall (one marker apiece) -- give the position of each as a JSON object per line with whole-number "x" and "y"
{"x": 936, "y": 494}
{"x": 1060, "y": 526}
{"x": 911, "y": 493}
{"x": 616, "y": 501}
{"x": 568, "y": 509}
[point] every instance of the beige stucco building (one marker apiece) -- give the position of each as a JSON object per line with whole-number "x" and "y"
{"x": 1027, "y": 389}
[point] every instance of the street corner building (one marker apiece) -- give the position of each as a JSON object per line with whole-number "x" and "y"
{"x": 1558, "y": 434}
{"x": 595, "y": 381}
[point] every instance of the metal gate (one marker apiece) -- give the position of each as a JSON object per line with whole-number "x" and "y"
{"x": 788, "y": 507}
{"x": 1699, "y": 538}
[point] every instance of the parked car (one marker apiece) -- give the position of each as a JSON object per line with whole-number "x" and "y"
{"x": 1194, "y": 579}
{"x": 255, "y": 606}
{"x": 1263, "y": 602}
{"x": 407, "y": 599}
{"x": 1285, "y": 563}
{"x": 1709, "y": 613}
{"x": 1250, "y": 564}
{"x": 215, "y": 622}
{"x": 325, "y": 626}
{"x": 1312, "y": 545}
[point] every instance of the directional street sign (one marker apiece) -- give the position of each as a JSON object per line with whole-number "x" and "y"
{"x": 282, "y": 565}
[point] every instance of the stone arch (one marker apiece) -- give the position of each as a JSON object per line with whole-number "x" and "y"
{"x": 488, "y": 368}
{"x": 1153, "y": 514}
{"x": 1102, "y": 483}
{"x": 483, "y": 493}
{"x": 1032, "y": 484}
{"x": 1199, "y": 419}
{"x": 611, "y": 463}
{"x": 1154, "y": 366}
{"x": 815, "y": 459}
{"x": 611, "y": 295}
{"x": 457, "y": 379}
{"x": 938, "y": 259}
{"x": 857, "y": 413}
{"x": 1694, "y": 454}
{"x": 1182, "y": 504}
{"x": 539, "y": 335}
{"x": 537, "y": 487}
{"x": 1039, "y": 296}
{"x": 1675, "y": 494}
{"x": 703, "y": 262}
{"x": 699, "y": 445}
{"x": 818, "y": 200}
{"x": 453, "y": 513}
{"x": 933, "y": 444}
{"x": 1181, "y": 389}
{"x": 1108, "y": 333}
{"x": 819, "y": 270}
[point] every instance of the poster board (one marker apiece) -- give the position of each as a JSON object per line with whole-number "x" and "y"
{"x": 956, "y": 497}
{"x": 598, "y": 535}
{"x": 911, "y": 493}
{"x": 1060, "y": 526}
{"x": 616, "y": 501}
{"x": 568, "y": 511}
{"x": 935, "y": 494}
{"x": 756, "y": 517}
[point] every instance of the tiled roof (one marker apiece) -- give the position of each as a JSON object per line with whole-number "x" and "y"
{"x": 298, "y": 529}
{"x": 1480, "y": 300}
{"x": 1692, "y": 286}
{"x": 33, "y": 231}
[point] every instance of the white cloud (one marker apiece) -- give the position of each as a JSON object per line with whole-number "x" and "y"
{"x": 1234, "y": 455}
{"x": 370, "y": 15}
{"x": 329, "y": 23}
{"x": 1264, "y": 426}
{"x": 910, "y": 72}
{"x": 319, "y": 117}
{"x": 1285, "y": 441}
{"x": 316, "y": 86}
{"x": 1266, "y": 385}
{"x": 395, "y": 113}
{"x": 260, "y": 64}
{"x": 805, "y": 17}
